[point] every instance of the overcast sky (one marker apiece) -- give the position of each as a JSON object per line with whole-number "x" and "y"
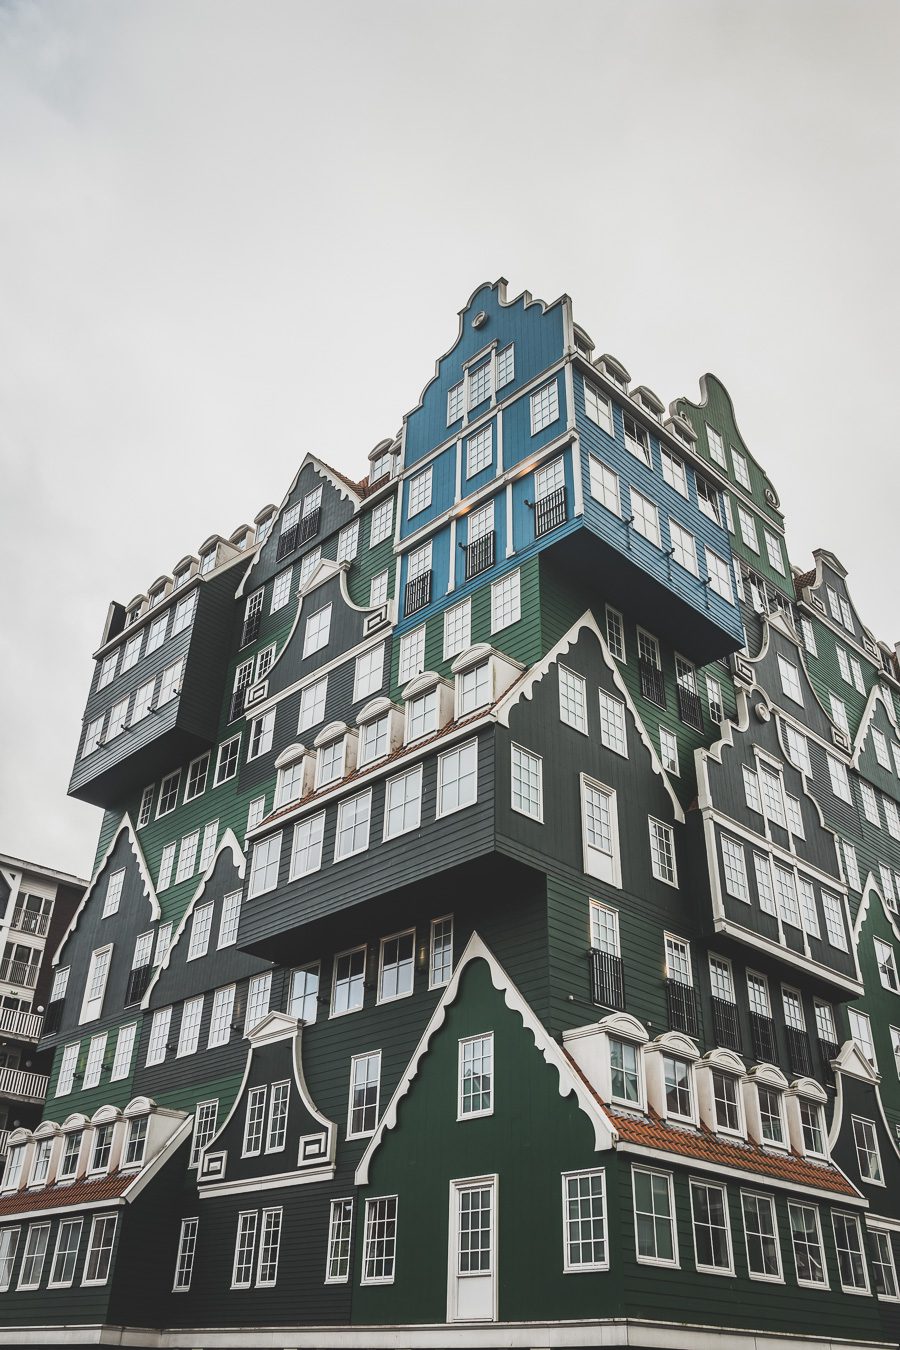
{"x": 232, "y": 233}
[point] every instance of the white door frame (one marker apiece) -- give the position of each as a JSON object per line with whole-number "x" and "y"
{"x": 457, "y": 1185}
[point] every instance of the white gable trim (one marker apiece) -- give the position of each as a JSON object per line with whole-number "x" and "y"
{"x": 604, "y": 1132}
{"x": 149, "y": 889}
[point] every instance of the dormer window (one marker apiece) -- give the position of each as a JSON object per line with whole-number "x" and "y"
{"x": 14, "y": 1164}
{"x": 625, "y": 1072}
{"x": 770, "y": 1117}
{"x": 158, "y": 594}
{"x": 381, "y": 466}
{"x": 473, "y": 688}
{"x": 678, "y": 1083}
{"x": 133, "y": 615}
{"x": 68, "y": 1165}
{"x": 726, "y": 1103}
{"x": 373, "y": 740}
{"x": 102, "y": 1150}
{"x": 136, "y": 1143}
{"x": 291, "y": 775}
{"x": 330, "y": 762}
{"x": 207, "y": 562}
{"x": 422, "y": 715}
{"x": 40, "y": 1167}
{"x": 812, "y": 1127}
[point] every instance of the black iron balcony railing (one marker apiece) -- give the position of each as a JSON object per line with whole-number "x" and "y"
{"x": 237, "y": 704}
{"x": 30, "y": 921}
{"x": 690, "y": 709}
{"x": 53, "y": 1017}
{"x": 250, "y": 631}
{"x": 799, "y": 1057}
{"x": 309, "y": 525}
{"x": 828, "y": 1051}
{"x": 480, "y": 554}
{"x": 762, "y": 1034}
{"x": 549, "y": 512}
{"x": 607, "y": 979}
{"x": 418, "y": 593}
{"x": 653, "y": 685}
{"x": 682, "y": 1004}
{"x": 287, "y": 542}
{"x": 137, "y": 984}
{"x": 725, "y": 1024}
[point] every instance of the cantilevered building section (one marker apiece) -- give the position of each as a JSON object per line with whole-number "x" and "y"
{"x": 493, "y": 934}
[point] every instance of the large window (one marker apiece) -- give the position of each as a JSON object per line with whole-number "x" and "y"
{"x": 457, "y": 778}
{"x": 100, "y": 1249}
{"x": 806, "y": 1237}
{"x": 340, "y": 1232}
{"x": 572, "y": 699}
{"x": 712, "y": 1230}
{"x": 584, "y": 1221}
{"x": 527, "y": 783}
{"x": 184, "y": 1262}
{"x": 403, "y": 803}
{"x": 851, "y": 1261}
{"x": 654, "y": 1217}
{"x": 440, "y": 964}
{"x": 306, "y": 854}
{"x": 600, "y": 831}
{"x": 380, "y": 1240}
{"x": 264, "y": 868}
{"x": 352, "y": 834}
{"x": 476, "y": 1076}
{"x": 867, "y": 1154}
{"x": 318, "y": 629}
{"x": 761, "y": 1236}
{"x": 62, "y": 1271}
{"x": 395, "y": 976}
{"x": 348, "y": 981}
{"x": 365, "y": 1084}
{"x": 34, "y": 1256}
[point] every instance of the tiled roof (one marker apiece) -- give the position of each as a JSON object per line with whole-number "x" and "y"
{"x": 650, "y": 1131}
{"x": 74, "y": 1196}
{"x": 803, "y": 580}
{"x": 351, "y": 483}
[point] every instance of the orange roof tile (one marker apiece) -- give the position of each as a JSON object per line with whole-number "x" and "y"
{"x": 73, "y": 1196}
{"x": 803, "y": 580}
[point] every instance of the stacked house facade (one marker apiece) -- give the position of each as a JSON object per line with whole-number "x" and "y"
{"x": 492, "y": 935}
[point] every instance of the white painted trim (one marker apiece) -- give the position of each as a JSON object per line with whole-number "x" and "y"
{"x": 251, "y": 1185}
{"x": 739, "y": 1174}
{"x": 149, "y": 889}
{"x": 569, "y": 1080}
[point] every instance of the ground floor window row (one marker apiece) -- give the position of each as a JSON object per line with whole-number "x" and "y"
{"x": 56, "y": 1249}
{"x": 732, "y": 1231}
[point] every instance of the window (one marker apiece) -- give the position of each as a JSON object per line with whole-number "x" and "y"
{"x": 600, "y": 831}
{"x": 884, "y": 1272}
{"x": 365, "y": 1083}
{"x": 163, "y": 939}
{"x": 276, "y": 1134}
{"x": 170, "y": 685}
{"x": 481, "y": 522}
{"x": 720, "y": 979}
{"x": 421, "y": 715}
{"x": 544, "y": 407}
{"x": 741, "y": 472}
{"x": 719, "y": 575}
{"x": 714, "y": 699}
{"x": 505, "y": 602}
{"x": 479, "y": 451}
{"x": 840, "y": 783}
{"x": 259, "y": 994}
{"x": 716, "y": 447}
{"x": 187, "y": 856}
{"x": 455, "y": 403}
{"x": 330, "y": 762}
{"x": 412, "y": 655}
{"x": 684, "y": 547}
{"x": 771, "y": 785}
{"x": 793, "y": 1009}
{"x": 348, "y": 982}
{"x": 843, "y": 664}
{"x": 662, "y": 852}
{"x": 598, "y": 407}
{"x": 395, "y": 975}
{"x": 382, "y": 522}
{"x": 604, "y": 485}
{"x": 419, "y": 492}
{"x": 205, "y": 1120}
{"x": 476, "y": 1076}
{"x": 473, "y": 687}
{"x": 584, "y": 1221}
{"x": 378, "y": 590}
{"x": 867, "y": 1156}
{"x": 189, "y": 1032}
{"x": 527, "y": 785}
{"x": 751, "y": 790}
{"x": 887, "y": 885}
{"x": 725, "y": 1100}
{"x": 306, "y": 853}
{"x": 645, "y": 517}
{"x": 93, "y": 1065}
{"x": 34, "y": 1255}
{"x": 851, "y": 866}
{"x": 228, "y": 920}
{"x": 668, "y": 750}
{"x": 673, "y": 472}
{"x": 318, "y": 629}
{"x": 303, "y": 1001}
{"x": 708, "y": 499}
{"x": 761, "y": 1237}
{"x": 156, "y": 633}
{"x": 625, "y": 1071}
{"x": 506, "y": 366}
{"x": 264, "y": 868}
{"x": 312, "y": 704}
{"x": 107, "y": 670}
{"x": 113, "y": 893}
{"x": 736, "y": 876}
{"x": 861, "y": 1031}
{"x": 839, "y": 714}
{"x": 168, "y": 793}
{"x": 654, "y": 1217}
{"x": 870, "y": 804}
{"x": 368, "y": 673}
{"x": 93, "y": 735}
{"x": 457, "y": 785}
{"x": 184, "y": 1262}
{"x": 440, "y": 964}
{"x": 227, "y": 761}
{"x": 220, "y": 1018}
{"x": 811, "y": 1127}
{"x": 613, "y": 732}
{"x": 480, "y": 383}
{"x": 712, "y": 1229}
{"x": 198, "y": 771}
{"x": 136, "y": 1143}
{"x": 887, "y": 968}
{"x": 615, "y": 633}
{"x": 254, "y": 1122}
{"x": 100, "y": 1247}
{"x": 352, "y": 835}
{"x": 677, "y": 1081}
{"x": 145, "y": 810}
{"x": 159, "y": 1035}
{"x": 66, "y": 1077}
{"x": 340, "y": 1232}
{"x": 807, "y": 894}
{"x": 798, "y": 750}
{"x": 457, "y": 629}
{"x": 380, "y": 1241}
{"x": 62, "y": 1271}
{"x": 848, "y": 1245}
{"x": 678, "y": 960}
{"x": 572, "y": 699}
{"x": 9, "y": 1243}
{"x": 809, "y": 636}
{"x": 348, "y": 542}
{"x": 41, "y": 1163}
{"x": 806, "y": 1237}
{"x": 117, "y": 718}
{"x": 748, "y": 529}
{"x": 880, "y": 746}
{"x": 95, "y": 985}
{"x": 261, "y": 731}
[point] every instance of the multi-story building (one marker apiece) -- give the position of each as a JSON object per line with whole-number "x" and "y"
{"x": 492, "y": 935}
{"x": 36, "y": 907}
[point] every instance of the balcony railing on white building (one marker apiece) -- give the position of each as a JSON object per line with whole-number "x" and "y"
{"x": 30, "y": 921}
{"x": 19, "y": 972}
{"x": 27, "y": 1026}
{"x": 31, "y": 1087}
{"x": 4, "y": 1140}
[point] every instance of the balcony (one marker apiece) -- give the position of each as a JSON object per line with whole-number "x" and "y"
{"x": 250, "y": 631}
{"x": 549, "y": 512}
{"x": 799, "y": 1057}
{"x": 23, "y": 973}
{"x": 20, "y": 1083}
{"x": 155, "y": 735}
{"x": 418, "y": 593}
{"x": 607, "y": 979}
{"x": 4, "y": 1142}
{"x": 725, "y": 1024}
{"x": 137, "y": 984}
{"x": 24, "y": 1026}
{"x": 30, "y": 921}
{"x": 298, "y": 534}
{"x": 53, "y": 1017}
{"x": 480, "y": 554}
{"x": 681, "y": 1000}
{"x": 690, "y": 709}
{"x": 653, "y": 685}
{"x": 762, "y": 1034}
{"x": 236, "y": 707}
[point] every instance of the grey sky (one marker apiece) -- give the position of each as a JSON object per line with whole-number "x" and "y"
{"x": 232, "y": 233}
